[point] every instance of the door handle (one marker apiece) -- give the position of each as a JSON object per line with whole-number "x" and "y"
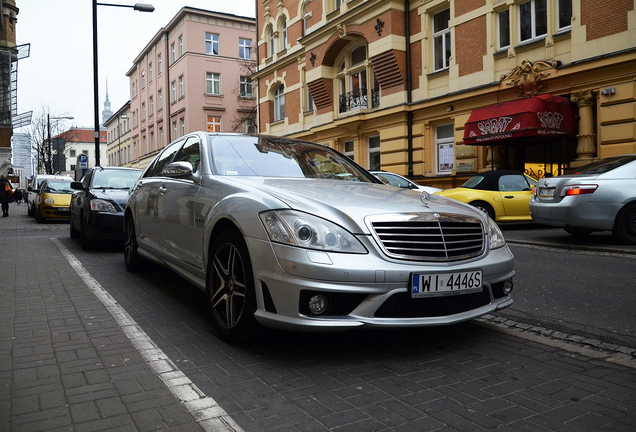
{"x": 162, "y": 190}
{"x": 509, "y": 197}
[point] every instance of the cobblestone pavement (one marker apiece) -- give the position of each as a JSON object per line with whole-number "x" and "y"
{"x": 86, "y": 346}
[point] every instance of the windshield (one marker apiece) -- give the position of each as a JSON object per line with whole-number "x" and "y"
{"x": 279, "y": 157}
{"x": 115, "y": 179}
{"x": 60, "y": 187}
{"x": 604, "y": 165}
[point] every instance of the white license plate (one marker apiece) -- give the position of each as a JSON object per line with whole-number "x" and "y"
{"x": 544, "y": 192}
{"x": 62, "y": 209}
{"x": 445, "y": 284}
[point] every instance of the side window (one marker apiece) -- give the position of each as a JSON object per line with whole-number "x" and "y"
{"x": 86, "y": 180}
{"x": 165, "y": 158}
{"x": 190, "y": 153}
{"x": 512, "y": 183}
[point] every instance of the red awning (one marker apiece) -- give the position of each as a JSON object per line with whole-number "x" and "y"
{"x": 545, "y": 115}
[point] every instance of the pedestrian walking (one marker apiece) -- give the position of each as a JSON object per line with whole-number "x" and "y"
{"x": 6, "y": 195}
{"x": 17, "y": 196}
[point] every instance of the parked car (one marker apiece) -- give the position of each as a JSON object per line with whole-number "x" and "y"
{"x": 294, "y": 235}
{"x": 34, "y": 187}
{"x": 52, "y": 200}
{"x": 504, "y": 195}
{"x": 402, "y": 182}
{"x": 97, "y": 206}
{"x": 600, "y": 196}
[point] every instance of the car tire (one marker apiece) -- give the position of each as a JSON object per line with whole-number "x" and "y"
{"x": 484, "y": 207}
{"x": 132, "y": 259}
{"x": 30, "y": 210}
{"x": 230, "y": 288}
{"x": 75, "y": 234}
{"x": 625, "y": 225}
{"x": 578, "y": 232}
{"x": 38, "y": 216}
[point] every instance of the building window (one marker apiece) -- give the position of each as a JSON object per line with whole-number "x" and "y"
{"x": 212, "y": 44}
{"x": 310, "y": 101}
{"x": 283, "y": 33}
{"x": 72, "y": 153}
{"x": 245, "y": 87}
{"x": 444, "y": 141}
{"x": 143, "y": 79}
{"x": 173, "y": 52}
{"x": 180, "y": 46}
{"x": 214, "y": 123}
{"x": 564, "y": 14}
{"x": 174, "y": 129}
{"x": 159, "y": 64}
{"x": 503, "y": 29}
{"x": 160, "y": 142}
{"x": 354, "y": 70}
{"x": 279, "y": 103}
{"x": 174, "y": 91}
{"x": 374, "y": 152}
{"x": 305, "y": 19}
{"x": 441, "y": 40}
{"x": 533, "y": 20}
{"x": 349, "y": 150}
{"x": 151, "y": 106}
{"x": 247, "y": 126}
{"x": 181, "y": 87}
{"x": 133, "y": 90}
{"x": 337, "y": 4}
{"x": 271, "y": 42}
{"x": 160, "y": 99}
{"x": 143, "y": 111}
{"x": 213, "y": 83}
{"x": 245, "y": 49}
{"x": 182, "y": 122}
{"x": 143, "y": 145}
{"x": 150, "y": 73}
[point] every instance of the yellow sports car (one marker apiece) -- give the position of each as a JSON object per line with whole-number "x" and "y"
{"x": 53, "y": 200}
{"x": 503, "y": 195}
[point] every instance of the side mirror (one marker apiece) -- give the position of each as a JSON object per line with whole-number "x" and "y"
{"x": 178, "y": 170}
{"x": 30, "y": 189}
{"x": 77, "y": 185}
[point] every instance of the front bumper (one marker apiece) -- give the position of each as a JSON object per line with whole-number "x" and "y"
{"x": 55, "y": 212}
{"x": 105, "y": 226}
{"x": 371, "y": 290}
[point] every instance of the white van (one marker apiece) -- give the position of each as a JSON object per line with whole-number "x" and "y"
{"x": 34, "y": 186}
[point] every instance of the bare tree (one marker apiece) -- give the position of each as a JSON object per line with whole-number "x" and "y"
{"x": 245, "y": 119}
{"x": 41, "y": 146}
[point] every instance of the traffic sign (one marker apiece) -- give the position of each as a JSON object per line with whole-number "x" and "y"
{"x": 82, "y": 161}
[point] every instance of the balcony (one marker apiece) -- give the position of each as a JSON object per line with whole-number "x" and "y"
{"x": 358, "y": 99}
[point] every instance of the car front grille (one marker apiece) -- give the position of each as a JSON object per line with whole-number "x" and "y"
{"x": 401, "y": 305}
{"x": 429, "y": 236}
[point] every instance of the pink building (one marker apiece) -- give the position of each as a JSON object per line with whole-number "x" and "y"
{"x": 193, "y": 75}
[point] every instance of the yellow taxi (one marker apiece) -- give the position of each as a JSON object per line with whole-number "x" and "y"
{"x": 53, "y": 199}
{"x": 504, "y": 195}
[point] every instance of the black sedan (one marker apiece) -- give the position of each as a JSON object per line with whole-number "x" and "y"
{"x": 98, "y": 203}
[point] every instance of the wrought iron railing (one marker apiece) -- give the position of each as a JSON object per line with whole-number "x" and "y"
{"x": 358, "y": 99}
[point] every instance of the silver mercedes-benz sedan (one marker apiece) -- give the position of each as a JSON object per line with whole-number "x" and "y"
{"x": 294, "y": 235}
{"x": 600, "y": 196}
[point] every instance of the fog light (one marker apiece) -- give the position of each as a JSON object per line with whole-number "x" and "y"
{"x": 317, "y": 304}
{"x": 507, "y": 287}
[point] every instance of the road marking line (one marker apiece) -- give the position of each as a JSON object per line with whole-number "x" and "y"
{"x": 210, "y": 416}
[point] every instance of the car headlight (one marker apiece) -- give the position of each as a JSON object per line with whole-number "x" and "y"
{"x": 49, "y": 201}
{"x": 495, "y": 235}
{"x": 100, "y": 205}
{"x": 304, "y": 230}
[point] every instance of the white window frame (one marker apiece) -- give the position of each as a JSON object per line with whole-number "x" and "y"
{"x": 560, "y": 4}
{"x": 150, "y": 72}
{"x": 245, "y": 87}
{"x": 272, "y": 42}
{"x": 283, "y": 33}
{"x": 373, "y": 151}
{"x": 174, "y": 129}
{"x": 180, "y": 46}
{"x": 444, "y": 150}
{"x": 160, "y": 99}
{"x": 214, "y": 122}
{"x": 181, "y": 87}
{"x": 212, "y": 44}
{"x": 159, "y": 64}
{"x": 183, "y": 127}
{"x": 444, "y": 35}
{"x": 151, "y": 106}
{"x": 173, "y": 87}
{"x": 245, "y": 49}
{"x": 213, "y": 82}
{"x": 173, "y": 51}
{"x": 533, "y": 21}
{"x": 279, "y": 103}
{"x": 349, "y": 153}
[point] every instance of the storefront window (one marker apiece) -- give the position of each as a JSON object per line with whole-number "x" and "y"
{"x": 444, "y": 141}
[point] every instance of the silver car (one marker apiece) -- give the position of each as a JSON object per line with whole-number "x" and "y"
{"x": 600, "y": 196}
{"x": 402, "y": 182}
{"x": 294, "y": 235}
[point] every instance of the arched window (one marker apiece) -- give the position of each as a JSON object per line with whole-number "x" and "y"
{"x": 356, "y": 81}
{"x": 283, "y": 33}
{"x": 279, "y": 103}
{"x": 271, "y": 42}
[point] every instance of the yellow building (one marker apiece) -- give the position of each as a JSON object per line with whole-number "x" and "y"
{"x": 394, "y": 84}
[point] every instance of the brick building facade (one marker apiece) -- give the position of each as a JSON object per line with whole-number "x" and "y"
{"x": 395, "y": 90}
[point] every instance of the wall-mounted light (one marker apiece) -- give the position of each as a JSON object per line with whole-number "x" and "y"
{"x": 449, "y": 108}
{"x": 608, "y": 91}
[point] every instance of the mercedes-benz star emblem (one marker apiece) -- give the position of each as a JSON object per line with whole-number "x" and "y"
{"x": 425, "y": 198}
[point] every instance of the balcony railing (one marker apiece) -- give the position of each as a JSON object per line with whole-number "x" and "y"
{"x": 358, "y": 99}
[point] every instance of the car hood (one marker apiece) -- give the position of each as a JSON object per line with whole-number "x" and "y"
{"x": 59, "y": 199}
{"x": 120, "y": 196}
{"x": 349, "y": 203}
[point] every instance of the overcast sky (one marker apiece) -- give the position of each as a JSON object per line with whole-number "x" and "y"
{"x": 58, "y": 76}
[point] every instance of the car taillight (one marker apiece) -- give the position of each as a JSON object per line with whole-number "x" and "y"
{"x": 578, "y": 190}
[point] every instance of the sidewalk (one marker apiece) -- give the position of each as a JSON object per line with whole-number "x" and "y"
{"x": 68, "y": 362}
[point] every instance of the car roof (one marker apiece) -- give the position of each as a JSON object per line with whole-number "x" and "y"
{"x": 491, "y": 179}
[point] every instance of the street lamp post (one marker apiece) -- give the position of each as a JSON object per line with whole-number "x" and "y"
{"x": 141, "y": 7}
{"x": 48, "y": 126}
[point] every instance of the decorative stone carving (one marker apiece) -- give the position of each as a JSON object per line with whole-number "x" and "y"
{"x": 342, "y": 29}
{"x": 586, "y": 147}
{"x": 379, "y": 26}
{"x": 528, "y": 77}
